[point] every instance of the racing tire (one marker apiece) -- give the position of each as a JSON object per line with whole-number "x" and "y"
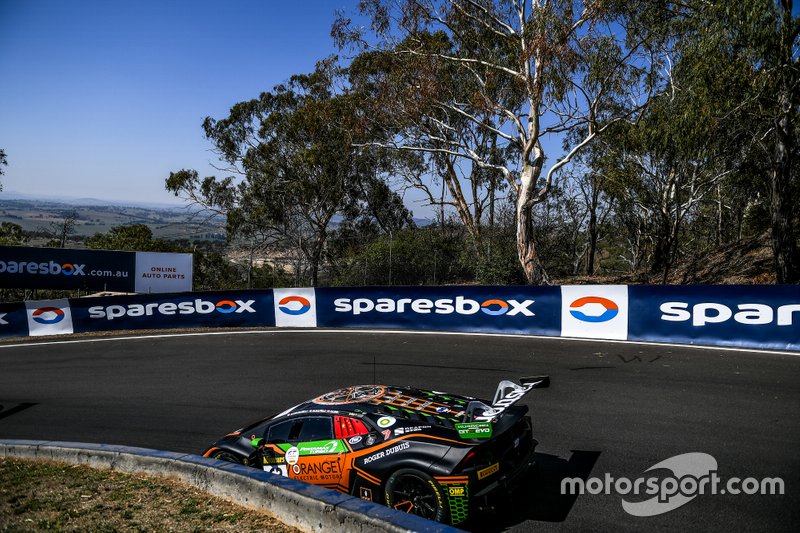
{"x": 417, "y": 493}
{"x": 222, "y": 455}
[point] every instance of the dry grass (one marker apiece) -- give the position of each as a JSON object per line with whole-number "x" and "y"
{"x": 45, "y": 496}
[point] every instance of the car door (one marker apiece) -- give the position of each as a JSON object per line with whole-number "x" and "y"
{"x": 305, "y": 448}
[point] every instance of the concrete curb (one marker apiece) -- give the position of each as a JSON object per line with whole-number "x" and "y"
{"x": 295, "y": 503}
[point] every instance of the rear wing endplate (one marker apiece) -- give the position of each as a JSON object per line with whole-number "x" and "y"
{"x": 507, "y": 394}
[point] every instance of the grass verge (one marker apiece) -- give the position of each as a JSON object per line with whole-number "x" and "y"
{"x": 47, "y": 496}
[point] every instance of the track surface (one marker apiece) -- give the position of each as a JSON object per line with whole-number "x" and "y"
{"x": 612, "y": 408}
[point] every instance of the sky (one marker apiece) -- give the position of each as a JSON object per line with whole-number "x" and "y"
{"x": 103, "y": 99}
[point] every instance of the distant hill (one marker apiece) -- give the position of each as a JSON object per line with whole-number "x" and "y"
{"x": 99, "y": 216}
{"x": 69, "y": 200}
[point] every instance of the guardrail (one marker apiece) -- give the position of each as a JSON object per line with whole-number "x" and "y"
{"x": 304, "y": 506}
{"x": 751, "y": 316}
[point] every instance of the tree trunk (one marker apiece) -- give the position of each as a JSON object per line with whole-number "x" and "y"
{"x": 662, "y": 248}
{"x": 592, "y": 231}
{"x": 784, "y": 246}
{"x": 526, "y": 248}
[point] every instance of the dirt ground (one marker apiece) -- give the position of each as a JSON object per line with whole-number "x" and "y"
{"x": 45, "y": 496}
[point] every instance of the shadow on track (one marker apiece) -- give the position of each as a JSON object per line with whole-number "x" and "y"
{"x": 539, "y": 496}
{"x": 5, "y": 413}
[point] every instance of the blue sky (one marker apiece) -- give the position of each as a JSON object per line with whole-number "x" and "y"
{"x": 103, "y": 99}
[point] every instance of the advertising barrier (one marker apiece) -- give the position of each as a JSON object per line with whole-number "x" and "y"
{"x": 526, "y": 310}
{"x": 764, "y": 316}
{"x": 66, "y": 269}
{"x": 23, "y": 267}
{"x": 184, "y": 310}
{"x": 742, "y": 316}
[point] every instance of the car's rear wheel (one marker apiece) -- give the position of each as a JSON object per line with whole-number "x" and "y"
{"x": 222, "y": 455}
{"x": 416, "y": 492}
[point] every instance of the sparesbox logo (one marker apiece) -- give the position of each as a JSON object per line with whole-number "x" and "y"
{"x": 199, "y": 306}
{"x": 591, "y": 303}
{"x": 294, "y": 305}
{"x": 48, "y": 315}
{"x": 714, "y": 313}
{"x": 51, "y": 268}
{"x": 442, "y": 306}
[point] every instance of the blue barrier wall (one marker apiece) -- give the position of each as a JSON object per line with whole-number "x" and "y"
{"x": 742, "y": 316}
{"x": 757, "y": 316}
{"x": 527, "y": 310}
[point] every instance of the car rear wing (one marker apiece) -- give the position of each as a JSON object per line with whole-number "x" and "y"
{"x": 507, "y": 394}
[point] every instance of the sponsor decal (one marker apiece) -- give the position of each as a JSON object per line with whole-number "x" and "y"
{"x": 319, "y": 447}
{"x": 442, "y": 306}
{"x": 278, "y": 470}
{"x": 294, "y": 305}
{"x": 354, "y": 440}
{"x": 412, "y": 429}
{"x": 704, "y": 313}
{"x": 292, "y": 455}
{"x": 318, "y": 471}
{"x": 387, "y": 452}
{"x": 296, "y": 308}
{"x": 488, "y": 471}
{"x": 198, "y": 306}
{"x": 594, "y": 311}
{"x": 356, "y": 394}
{"x": 457, "y": 491}
{"x": 163, "y": 272}
{"x": 512, "y": 394}
{"x": 47, "y": 315}
{"x": 365, "y": 494}
{"x": 475, "y": 430}
{"x": 386, "y": 421}
{"x": 584, "y": 309}
{"x": 52, "y": 268}
{"x": 387, "y": 434}
{"x": 442, "y": 410}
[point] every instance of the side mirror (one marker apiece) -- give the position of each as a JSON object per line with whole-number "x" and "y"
{"x": 256, "y": 443}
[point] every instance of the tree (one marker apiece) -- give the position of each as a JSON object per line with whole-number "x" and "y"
{"x": 3, "y": 162}
{"x": 666, "y": 166}
{"x": 133, "y": 238}
{"x": 12, "y": 234}
{"x": 748, "y": 56}
{"x": 292, "y": 167}
{"x": 59, "y": 232}
{"x": 532, "y": 71}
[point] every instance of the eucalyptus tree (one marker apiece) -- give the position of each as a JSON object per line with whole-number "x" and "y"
{"x": 494, "y": 85}
{"x": 291, "y": 167}
{"x": 748, "y": 55}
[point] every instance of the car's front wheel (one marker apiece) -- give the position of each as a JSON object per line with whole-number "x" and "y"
{"x": 222, "y": 455}
{"x": 416, "y": 492}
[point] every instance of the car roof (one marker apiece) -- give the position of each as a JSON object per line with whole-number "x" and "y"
{"x": 406, "y": 405}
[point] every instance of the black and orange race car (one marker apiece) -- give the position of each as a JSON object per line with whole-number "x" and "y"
{"x": 437, "y": 455}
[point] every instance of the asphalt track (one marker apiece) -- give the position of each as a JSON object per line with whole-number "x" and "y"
{"x": 613, "y": 409}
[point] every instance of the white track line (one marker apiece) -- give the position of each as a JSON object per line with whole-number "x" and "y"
{"x": 394, "y": 332}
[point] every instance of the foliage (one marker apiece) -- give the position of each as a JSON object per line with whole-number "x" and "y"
{"x": 424, "y": 256}
{"x": 12, "y": 234}
{"x": 481, "y": 86}
{"x": 291, "y": 150}
{"x": 3, "y": 162}
{"x": 133, "y": 238}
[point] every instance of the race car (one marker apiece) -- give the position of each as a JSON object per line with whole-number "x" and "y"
{"x": 437, "y": 455}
